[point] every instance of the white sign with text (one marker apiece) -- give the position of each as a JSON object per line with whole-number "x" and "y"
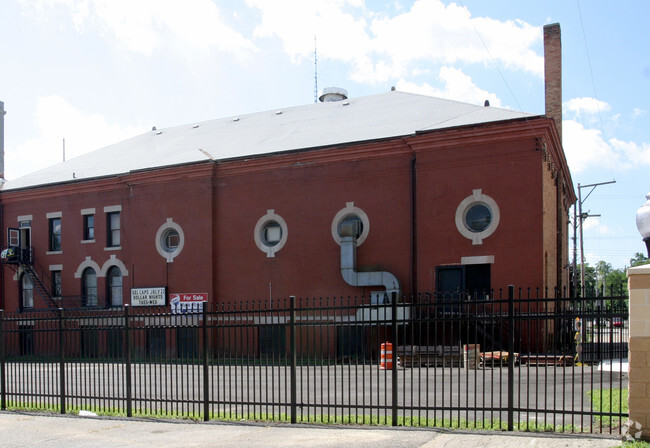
{"x": 148, "y": 296}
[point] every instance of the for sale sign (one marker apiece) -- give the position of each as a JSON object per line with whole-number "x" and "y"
{"x": 148, "y": 296}
{"x": 187, "y": 303}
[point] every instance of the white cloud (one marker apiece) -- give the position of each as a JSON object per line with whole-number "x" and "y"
{"x": 586, "y": 105}
{"x": 631, "y": 154}
{"x": 144, "y": 26}
{"x": 448, "y": 34}
{"x": 381, "y": 47}
{"x": 57, "y": 120}
{"x": 594, "y": 226}
{"x": 585, "y": 149}
{"x": 457, "y": 86}
{"x": 340, "y": 35}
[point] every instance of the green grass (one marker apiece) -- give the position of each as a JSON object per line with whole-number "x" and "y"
{"x": 369, "y": 420}
{"x": 636, "y": 444}
{"x": 609, "y": 401}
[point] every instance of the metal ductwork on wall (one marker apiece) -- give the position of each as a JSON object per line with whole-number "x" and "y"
{"x": 354, "y": 278}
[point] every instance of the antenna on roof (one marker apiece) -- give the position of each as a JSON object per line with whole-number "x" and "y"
{"x": 315, "y": 72}
{"x": 64, "y": 149}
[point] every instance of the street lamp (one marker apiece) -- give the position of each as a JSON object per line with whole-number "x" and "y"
{"x": 643, "y": 222}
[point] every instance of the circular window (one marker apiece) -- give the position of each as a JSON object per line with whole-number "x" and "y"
{"x": 477, "y": 216}
{"x": 352, "y": 225}
{"x": 170, "y": 240}
{"x": 351, "y": 220}
{"x": 270, "y": 233}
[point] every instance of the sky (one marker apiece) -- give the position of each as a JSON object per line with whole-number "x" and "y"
{"x": 82, "y": 74}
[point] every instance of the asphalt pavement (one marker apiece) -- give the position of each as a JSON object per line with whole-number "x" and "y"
{"x": 20, "y": 429}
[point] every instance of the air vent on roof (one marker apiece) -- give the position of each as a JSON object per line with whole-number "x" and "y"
{"x": 158, "y": 132}
{"x": 235, "y": 119}
{"x": 195, "y": 126}
{"x": 279, "y": 112}
{"x": 333, "y": 94}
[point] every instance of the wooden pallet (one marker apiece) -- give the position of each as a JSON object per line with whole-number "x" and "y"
{"x": 428, "y": 356}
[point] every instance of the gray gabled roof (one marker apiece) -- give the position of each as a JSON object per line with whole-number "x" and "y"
{"x": 374, "y": 117}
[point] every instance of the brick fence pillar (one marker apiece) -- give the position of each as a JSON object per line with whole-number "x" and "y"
{"x": 639, "y": 347}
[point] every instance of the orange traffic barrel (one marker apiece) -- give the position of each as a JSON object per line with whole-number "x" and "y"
{"x": 386, "y": 361}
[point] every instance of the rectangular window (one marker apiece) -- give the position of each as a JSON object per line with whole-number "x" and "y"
{"x": 56, "y": 283}
{"x": 113, "y": 229}
{"x": 55, "y": 234}
{"x": 89, "y": 227}
{"x": 13, "y": 236}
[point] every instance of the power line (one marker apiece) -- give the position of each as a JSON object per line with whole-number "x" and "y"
{"x": 593, "y": 82}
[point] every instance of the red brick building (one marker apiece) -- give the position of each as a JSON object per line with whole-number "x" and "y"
{"x": 439, "y": 196}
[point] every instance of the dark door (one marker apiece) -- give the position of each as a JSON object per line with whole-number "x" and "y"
{"x": 472, "y": 279}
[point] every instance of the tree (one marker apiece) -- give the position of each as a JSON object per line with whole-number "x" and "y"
{"x": 590, "y": 280}
{"x": 616, "y": 283}
{"x": 638, "y": 260}
{"x": 603, "y": 280}
{"x": 603, "y": 269}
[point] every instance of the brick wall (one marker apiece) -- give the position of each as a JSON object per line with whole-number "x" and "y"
{"x": 639, "y": 346}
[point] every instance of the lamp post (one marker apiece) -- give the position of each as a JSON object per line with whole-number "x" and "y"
{"x": 643, "y": 222}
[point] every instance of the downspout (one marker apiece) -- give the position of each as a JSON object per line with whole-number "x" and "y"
{"x": 354, "y": 278}
{"x": 414, "y": 227}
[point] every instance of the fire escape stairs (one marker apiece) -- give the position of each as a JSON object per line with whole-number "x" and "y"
{"x": 38, "y": 285}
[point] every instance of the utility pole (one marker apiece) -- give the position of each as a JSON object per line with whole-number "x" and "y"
{"x": 582, "y": 216}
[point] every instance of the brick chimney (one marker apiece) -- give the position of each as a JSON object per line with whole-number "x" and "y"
{"x": 553, "y": 74}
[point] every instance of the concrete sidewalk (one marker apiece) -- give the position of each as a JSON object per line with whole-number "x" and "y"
{"x": 55, "y": 431}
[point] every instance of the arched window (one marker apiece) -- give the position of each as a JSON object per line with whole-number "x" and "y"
{"x": 114, "y": 286}
{"x": 26, "y": 292}
{"x": 89, "y": 287}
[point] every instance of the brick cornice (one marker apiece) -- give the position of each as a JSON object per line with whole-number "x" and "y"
{"x": 102, "y": 184}
{"x": 313, "y": 157}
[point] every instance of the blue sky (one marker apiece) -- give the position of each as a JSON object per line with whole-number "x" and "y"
{"x": 94, "y": 72}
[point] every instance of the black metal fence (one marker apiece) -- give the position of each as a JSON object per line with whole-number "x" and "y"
{"x": 504, "y": 362}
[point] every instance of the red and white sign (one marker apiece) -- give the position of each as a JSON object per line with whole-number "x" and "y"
{"x": 183, "y": 303}
{"x": 190, "y": 297}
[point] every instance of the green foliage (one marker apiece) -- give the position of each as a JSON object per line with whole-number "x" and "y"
{"x": 602, "y": 280}
{"x": 639, "y": 259}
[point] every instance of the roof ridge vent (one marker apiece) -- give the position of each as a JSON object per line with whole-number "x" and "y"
{"x": 333, "y": 94}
